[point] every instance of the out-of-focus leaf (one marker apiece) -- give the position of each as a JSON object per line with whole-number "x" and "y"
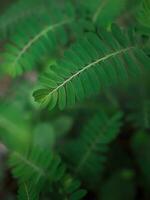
{"x": 141, "y": 148}
{"x": 14, "y": 127}
{"x": 62, "y": 125}
{"x": 143, "y": 13}
{"x": 104, "y": 12}
{"x": 120, "y": 186}
{"x": 44, "y": 135}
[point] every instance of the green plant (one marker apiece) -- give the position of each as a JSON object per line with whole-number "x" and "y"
{"x": 75, "y": 101}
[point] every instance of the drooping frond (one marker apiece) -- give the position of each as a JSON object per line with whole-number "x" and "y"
{"x": 96, "y": 61}
{"x": 87, "y": 154}
{"x": 34, "y": 169}
{"x": 34, "y": 40}
{"x": 34, "y": 166}
{"x": 38, "y": 168}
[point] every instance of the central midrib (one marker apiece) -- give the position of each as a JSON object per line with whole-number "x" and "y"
{"x": 33, "y": 166}
{"x": 39, "y": 35}
{"x": 89, "y": 66}
{"x": 26, "y": 191}
{"x": 99, "y": 9}
{"x": 90, "y": 149}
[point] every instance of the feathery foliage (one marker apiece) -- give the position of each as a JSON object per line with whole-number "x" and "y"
{"x": 92, "y": 58}
{"x": 30, "y": 167}
{"x": 87, "y": 153}
{"x": 93, "y": 63}
{"x": 34, "y": 39}
{"x": 26, "y": 191}
{"x": 19, "y": 13}
{"x": 69, "y": 188}
{"x": 38, "y": 168}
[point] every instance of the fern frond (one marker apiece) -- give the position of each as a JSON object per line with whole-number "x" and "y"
{"x": 39, "y": 168}
{"x": 33, "y": 166}
{"x": 35, "y": 169}
{"x": 33, "y": 40}
{"x": 29, "y": 167}
{"x": 87, "y": 154}
{"x": 19, "y": 12}
{"x": 93, "y": 63}
{"x": 28, "y": 192}
{"x": 68, "y": 188}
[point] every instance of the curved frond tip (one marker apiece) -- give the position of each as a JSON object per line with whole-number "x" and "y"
{"x": 94, "y": 62}
{"x": 28, "y": 46}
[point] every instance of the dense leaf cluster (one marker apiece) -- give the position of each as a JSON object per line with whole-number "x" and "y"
{"x": 75, "y": 100}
